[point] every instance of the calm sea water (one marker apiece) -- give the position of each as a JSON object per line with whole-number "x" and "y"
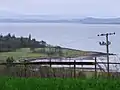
{"x": 78, "y": 36}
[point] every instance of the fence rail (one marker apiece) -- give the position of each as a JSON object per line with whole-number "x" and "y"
{"x": 52, "y": 63}
{"x": 60, "y": 63}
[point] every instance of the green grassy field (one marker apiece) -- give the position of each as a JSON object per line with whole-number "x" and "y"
{"x": 58, "y": 84}
{"x": 25, "y": 53}
{"x": 67, "y": 52}
{"x": 20, "y": 54}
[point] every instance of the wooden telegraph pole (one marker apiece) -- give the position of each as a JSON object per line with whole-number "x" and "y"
{"x": 107, "y": 43}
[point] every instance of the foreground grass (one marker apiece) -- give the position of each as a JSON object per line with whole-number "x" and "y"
{"x": 58, "y": 84}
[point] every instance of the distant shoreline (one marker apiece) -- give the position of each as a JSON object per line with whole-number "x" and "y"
{"x": 89, "y": 20}
{"x": 64, "y": 22}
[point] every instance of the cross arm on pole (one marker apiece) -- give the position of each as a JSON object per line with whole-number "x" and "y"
{"x": 106, "y": 34}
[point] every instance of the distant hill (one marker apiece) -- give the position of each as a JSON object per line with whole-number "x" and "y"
{"x": 82, "y": 21}
{"x": 91, "y": 20}
{"x": 9, "y": 17}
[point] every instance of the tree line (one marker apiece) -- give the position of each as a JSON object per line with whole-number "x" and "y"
{"x": 11, "y": 43}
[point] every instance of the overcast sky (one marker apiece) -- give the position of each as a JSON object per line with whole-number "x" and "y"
{"x": 98, "y": 8}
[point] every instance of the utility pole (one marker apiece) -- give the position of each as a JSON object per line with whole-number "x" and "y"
{"x": 107, "y": 43}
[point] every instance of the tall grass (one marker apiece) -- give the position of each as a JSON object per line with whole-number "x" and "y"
{"x": 7, "y": 83}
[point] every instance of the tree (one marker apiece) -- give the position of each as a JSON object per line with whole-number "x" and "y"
{"x": 9, "y": 61}
{"x": 13, "y": 36}
{"x": 29, "y": 36}
{"x": 1, "y": 36}
{"x": 22, "y": 42}
{"x": 8, "y": 36}
{"x": 10, "y": 43}
{"x": 43, "y": 43}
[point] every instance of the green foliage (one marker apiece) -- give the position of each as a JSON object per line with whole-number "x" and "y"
{"x": 58, "y": 84}
{"x": 11, "y": 43}
{"x": 9, "y": 61}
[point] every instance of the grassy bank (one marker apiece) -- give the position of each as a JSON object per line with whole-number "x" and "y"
{"x": 58, "y": 84}
{"x": 26, "y": 53}
{"x": 20, "y": 54}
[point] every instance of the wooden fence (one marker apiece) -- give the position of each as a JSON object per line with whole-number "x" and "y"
{"x": 36, "y": 69}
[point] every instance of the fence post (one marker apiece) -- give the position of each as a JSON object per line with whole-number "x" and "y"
{"x": 95, "y": 67}
{"x": 50, "y": 69}
{"x": 50, "y": 63}
{"x": 74, "y": 70}
{"x": 25, "y": 68}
